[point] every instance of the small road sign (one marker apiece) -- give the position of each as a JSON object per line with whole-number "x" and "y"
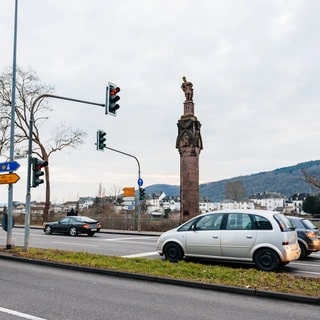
{"x": 128, "y": 198}
{"x": 8, "y": 178}
{"x": 128, "y": 207}
{"x": 128, "y": 191}
{"x": 140, "y": 182}
{"x": 9, "y": 166}
{"x": 128, "y": 203}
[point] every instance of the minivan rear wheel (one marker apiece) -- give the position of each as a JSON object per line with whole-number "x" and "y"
{"x": 303, "y": 251}
{"x": 266, "y": 259}
{"x": 173, "y": 252}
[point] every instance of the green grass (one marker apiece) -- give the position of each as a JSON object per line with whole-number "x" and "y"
{"x": 206, "y": 273}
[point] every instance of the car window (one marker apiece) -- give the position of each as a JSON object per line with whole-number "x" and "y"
{"x": 186, "y": 226}
{"x": 209, "y": 222}
{"x": 283, "y": 222}
{"x": 238, "y": 221}
{"x": 64, "y": 220}
{"x": 297, "y": 223}
{"x": 308, "y": 224}
{"x": 262, "y": 223}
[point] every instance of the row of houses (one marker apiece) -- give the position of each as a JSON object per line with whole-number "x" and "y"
{"x": 159, "y": 204}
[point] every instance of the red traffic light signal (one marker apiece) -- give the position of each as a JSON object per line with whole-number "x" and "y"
{"x": 37, "y": 165}
{"x": 112, "y": 98}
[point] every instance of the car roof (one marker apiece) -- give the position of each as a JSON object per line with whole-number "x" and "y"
{"x": 248, "y": 211}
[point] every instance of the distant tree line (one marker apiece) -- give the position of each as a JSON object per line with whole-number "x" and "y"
{"x": 311, "y": 204}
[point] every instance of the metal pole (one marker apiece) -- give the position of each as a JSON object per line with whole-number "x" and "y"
{"x": 139, "y": 177}
{"x": 13, "y": 103}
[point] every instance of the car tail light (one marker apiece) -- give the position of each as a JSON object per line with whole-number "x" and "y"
{"x": 99, "y": 225}
{"x": 86, "y": 226}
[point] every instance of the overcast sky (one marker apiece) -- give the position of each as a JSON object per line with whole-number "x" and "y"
{"x": 254, "y": 65}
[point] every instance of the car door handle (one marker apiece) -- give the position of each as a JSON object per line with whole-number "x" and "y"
{"x": 215, "y": 237}
{"x": 249, "y": 236}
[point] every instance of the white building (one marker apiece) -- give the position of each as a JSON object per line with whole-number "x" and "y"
{"x": 268, "y": 200}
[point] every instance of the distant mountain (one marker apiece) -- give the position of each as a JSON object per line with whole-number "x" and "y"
{"x": 286, "y": 181}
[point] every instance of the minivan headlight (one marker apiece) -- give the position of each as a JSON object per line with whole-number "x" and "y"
{"x": 310, "y": 234}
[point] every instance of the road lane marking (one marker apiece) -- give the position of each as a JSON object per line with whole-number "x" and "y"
{"x": 308, "y": 272}
{"x": 127, "y": 239}
{"x": 305, "y": 264}
{"x": 139, "y": 255}
{"x": 76, "y": 244}
{"x": 20, "y": 314}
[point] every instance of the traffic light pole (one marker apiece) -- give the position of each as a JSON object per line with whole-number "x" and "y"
{"x": 28, "y": 193}
{"x": 139, "y": 178}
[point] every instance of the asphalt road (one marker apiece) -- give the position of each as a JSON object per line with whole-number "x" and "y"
{"x": 43, "y": 293}
{"x": 129, "y": 245}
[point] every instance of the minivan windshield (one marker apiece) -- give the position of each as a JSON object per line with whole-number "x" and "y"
{"x": 308, "y": 224}
{"x": 284, "y": 223}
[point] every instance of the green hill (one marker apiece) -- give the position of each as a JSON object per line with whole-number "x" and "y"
{"x": 286, "y": 181}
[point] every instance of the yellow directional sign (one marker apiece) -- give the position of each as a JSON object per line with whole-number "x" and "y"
{"x": 128, "y": 191}
{"x": 9, "y": 178}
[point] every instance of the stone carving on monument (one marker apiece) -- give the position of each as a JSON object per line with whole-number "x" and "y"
{"x": 189, "y": 138}
{"x": 187, "y": 88}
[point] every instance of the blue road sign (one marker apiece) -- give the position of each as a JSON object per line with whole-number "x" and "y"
{"x": 140, "y": 182}
{"x": 9, "y": 166}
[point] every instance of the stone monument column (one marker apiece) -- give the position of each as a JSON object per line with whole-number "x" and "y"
{"x": 189, "y": 145}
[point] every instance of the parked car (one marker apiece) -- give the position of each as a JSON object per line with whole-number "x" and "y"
{"x": 266, "y": 238}
{"x": 308, "y": 235}
{"x": 73, "y": 225}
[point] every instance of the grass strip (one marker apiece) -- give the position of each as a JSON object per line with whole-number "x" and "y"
{"x": 191, "y": 271}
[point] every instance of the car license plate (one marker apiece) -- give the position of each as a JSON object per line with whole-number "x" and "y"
{"x": 93, "y": 229}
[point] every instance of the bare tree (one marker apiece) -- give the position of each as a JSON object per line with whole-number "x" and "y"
{"x": 115, "y": 192}
{"x": 28, "y": 88}
{"x": 5, "y": 130}
{"x": 314, "y": 181}
{"x": 235, "y": 190}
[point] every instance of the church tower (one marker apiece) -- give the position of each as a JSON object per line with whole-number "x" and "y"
{"x": 189, "y": 145}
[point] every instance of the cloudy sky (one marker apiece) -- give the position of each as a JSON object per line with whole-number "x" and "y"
{"x": 254, "y": 65}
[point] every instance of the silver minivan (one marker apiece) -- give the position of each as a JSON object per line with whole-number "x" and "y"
{"x": 266, "y": 238}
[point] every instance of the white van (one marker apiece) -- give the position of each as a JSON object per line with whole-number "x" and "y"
{"x": 266, "y": 238}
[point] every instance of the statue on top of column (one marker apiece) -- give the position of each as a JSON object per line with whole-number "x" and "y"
{"x": 187, "y": 88}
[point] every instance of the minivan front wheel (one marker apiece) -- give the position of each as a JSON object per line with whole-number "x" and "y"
{"x": 266, "y": 260}
{"x": 173, "y": 252}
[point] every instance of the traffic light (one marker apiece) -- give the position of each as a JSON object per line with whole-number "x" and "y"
{"x": 101, "y": 139}
{"x": 141, "y": 193}
{"x": 37, "y": 165}
{"x": 112, "y": 98}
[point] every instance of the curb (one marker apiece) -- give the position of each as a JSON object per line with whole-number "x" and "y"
{"x": 177, "y": 282}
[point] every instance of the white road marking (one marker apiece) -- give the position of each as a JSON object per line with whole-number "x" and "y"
{"x": 139, "y": 255}
{"x": 305, "y": 264}
{"x": 127, "y": 239}
{"x": 308, "y": 272}
{"x": 74, "y": 243}
{"x": 20, "y": 314}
